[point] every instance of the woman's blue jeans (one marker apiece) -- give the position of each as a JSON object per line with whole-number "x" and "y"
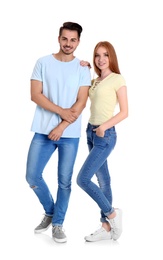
{"x": 40, "y": 151}
{"x": 96, "y": 164}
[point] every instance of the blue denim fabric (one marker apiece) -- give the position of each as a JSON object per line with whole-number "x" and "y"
{"x": 40, "y": 151}
{"x": 96, "y": 164}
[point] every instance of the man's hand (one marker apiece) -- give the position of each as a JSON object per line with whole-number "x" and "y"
{"x": 69, "y": 115}
{"x": 56, "y": 133}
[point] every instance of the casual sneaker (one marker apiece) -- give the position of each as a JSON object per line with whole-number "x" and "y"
{"x": 44, "y": 225}
{"x": 58, "y": 234}
{"x": 100, "y": 234}
{"x": 116, "y": 224}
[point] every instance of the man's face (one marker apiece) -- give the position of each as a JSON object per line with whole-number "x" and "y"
{"x": 68, "y": 41}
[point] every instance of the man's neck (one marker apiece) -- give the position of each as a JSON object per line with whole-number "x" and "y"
{"x": 63, "y": 57}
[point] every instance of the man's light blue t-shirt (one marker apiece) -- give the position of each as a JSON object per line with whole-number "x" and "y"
{"x": 61, "y": 83}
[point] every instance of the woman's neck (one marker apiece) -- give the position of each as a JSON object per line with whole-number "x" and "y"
{"x": 104, "y": 74}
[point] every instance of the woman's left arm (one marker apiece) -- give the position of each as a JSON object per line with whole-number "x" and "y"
{"x": 123, "y": 103}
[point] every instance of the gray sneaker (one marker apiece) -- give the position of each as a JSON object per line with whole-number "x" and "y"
{"x": 44, "y": 225}
{"x": 58, "y": 234}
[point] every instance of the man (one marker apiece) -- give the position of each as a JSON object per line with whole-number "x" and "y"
{"x": 59, "y": 87}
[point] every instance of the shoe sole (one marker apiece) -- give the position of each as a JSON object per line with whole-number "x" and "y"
{"x": 89, "y": 240}
{"x": 64, "y": 240}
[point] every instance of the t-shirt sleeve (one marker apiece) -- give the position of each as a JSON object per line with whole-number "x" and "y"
{"x": 85, "y": 79}
{"x": 37, "y": 71}
{"x": 120, "y": 82}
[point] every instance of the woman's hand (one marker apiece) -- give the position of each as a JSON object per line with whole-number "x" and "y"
{"x": 99, "y": 131}
{"x": 85, "y": 63}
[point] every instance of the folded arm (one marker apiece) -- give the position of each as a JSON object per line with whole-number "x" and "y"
{"x": 68, "y": 115}
{"x": 41, "y": 100}
{"x": 77, "y": 108}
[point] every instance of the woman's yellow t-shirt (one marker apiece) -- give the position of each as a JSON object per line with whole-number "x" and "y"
{"x": 103, "y": 98}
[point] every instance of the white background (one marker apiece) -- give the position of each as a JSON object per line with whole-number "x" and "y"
{"x": 29, "y": 30}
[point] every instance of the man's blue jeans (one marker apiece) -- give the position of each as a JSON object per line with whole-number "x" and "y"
{"x": 96, "y": 163}
{"x": 40, "y": 151}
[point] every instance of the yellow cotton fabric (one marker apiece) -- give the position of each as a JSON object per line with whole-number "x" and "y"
{"x": 103, "y": 98}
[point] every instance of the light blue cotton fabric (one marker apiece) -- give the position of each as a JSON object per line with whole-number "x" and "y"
{"x": 61, "y": 83}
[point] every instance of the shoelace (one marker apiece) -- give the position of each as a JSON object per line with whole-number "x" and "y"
{"x": 100, "y": 229}
{"x": 44, "y": 219}
{"x": 114, "y": 229}
{"x": 57, "y": 229}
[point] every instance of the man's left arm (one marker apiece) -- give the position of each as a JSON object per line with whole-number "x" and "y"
{"x": 77, "y": 108}
{"x": 81, "y": 100}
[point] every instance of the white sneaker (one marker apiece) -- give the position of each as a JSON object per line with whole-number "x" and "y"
{"x": 116, "y": 224}
{"x": 100, "y": 234}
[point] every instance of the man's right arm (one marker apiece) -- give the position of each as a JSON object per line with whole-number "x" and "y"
{"x": 41, "y": 100}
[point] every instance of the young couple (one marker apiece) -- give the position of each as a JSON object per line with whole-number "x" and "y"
{"x": 60, "y": 87}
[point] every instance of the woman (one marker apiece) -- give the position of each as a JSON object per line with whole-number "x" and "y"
{"x": 108, "y": 89}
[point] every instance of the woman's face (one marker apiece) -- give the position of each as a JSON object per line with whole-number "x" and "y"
{"x": 102, "y": 58}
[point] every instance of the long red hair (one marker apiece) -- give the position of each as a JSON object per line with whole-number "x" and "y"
{"x": 113, "y": 61}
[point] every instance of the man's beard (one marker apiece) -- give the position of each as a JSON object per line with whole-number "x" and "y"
{"x": 67, "y": 53}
